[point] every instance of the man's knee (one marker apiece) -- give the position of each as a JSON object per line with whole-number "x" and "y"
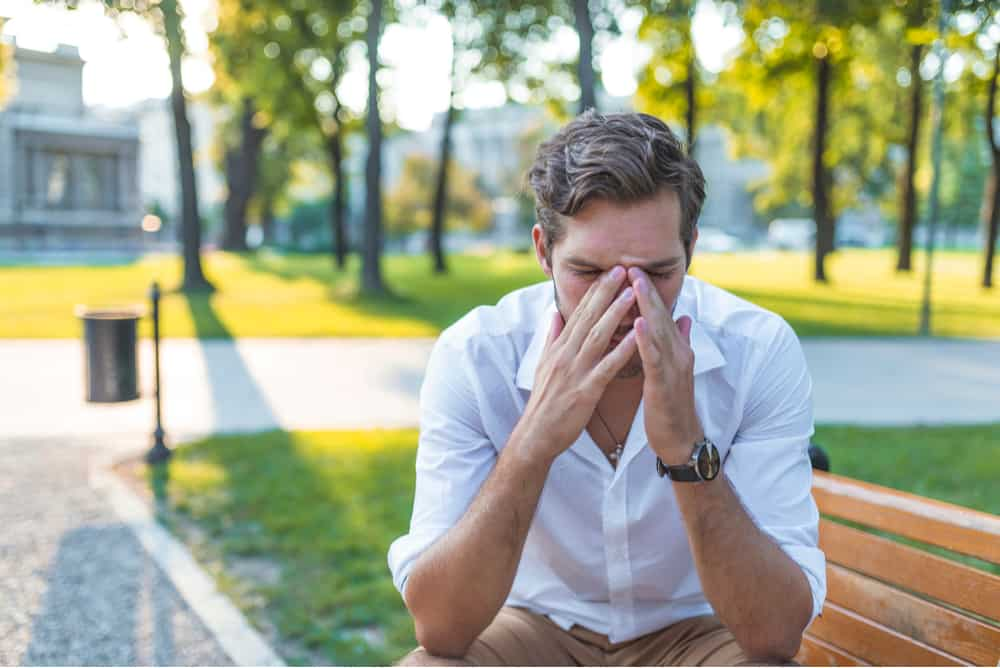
{"x": 421, "y": 657}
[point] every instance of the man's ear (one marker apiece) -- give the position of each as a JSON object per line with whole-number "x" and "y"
{"x": 541, "y": 252}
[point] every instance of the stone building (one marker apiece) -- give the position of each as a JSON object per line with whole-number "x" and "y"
{"x": 68, "y": 180}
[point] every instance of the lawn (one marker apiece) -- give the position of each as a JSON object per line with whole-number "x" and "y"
{"x": 296, "y": 525}
{"x": 269, "y": 295}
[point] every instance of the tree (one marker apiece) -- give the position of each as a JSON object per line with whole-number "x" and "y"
{"x": 992, "y": 208}
{"x": 241, "y": 169}
{"x": 194, "y": 278}
{"x": 478, "y": 52}
{"x": 973, "y": 103}
{"x": 585, "y": 63}
{"x": 165, "y": 16}
{"x": 290, "y": 57}
{"x": 371, "y": 261}
{"x": 918, "y": 16}
{"x": 793, "y": 48}
{"x": 406, "y": 205}
{"x": 669, "y": 83}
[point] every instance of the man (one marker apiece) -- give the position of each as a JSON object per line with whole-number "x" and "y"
{"x": 570, "y": 507}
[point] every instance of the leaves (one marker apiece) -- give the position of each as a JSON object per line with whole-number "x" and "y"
{"x": 408, "y": 205}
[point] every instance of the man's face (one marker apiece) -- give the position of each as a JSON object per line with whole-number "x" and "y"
{"x": 604, "y": 234}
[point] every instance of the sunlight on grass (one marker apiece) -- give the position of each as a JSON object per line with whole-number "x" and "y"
{"x": 321, "y": 508}
{"x": 271, "y": 295}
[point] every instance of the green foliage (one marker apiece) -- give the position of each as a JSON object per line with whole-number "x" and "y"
{"x": 768, "y": 99}
{"x": 320, "y": 508}
{"x": 408, "y": 206}
{"x": 661, "y": 91}
{"x": 865, "y": 296}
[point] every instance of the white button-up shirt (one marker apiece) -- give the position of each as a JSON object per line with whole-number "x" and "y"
{"x": 607, "y": 548}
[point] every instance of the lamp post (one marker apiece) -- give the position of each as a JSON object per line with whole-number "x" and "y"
{"x": 925, "y": 308}
{"x": 159, "y": 452}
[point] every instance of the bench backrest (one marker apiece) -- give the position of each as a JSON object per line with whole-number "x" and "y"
{"x": 891, "y": 604}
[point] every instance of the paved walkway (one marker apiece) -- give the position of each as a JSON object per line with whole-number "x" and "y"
{"x": 77, "y": 588}
{"x": 255, "y": 384}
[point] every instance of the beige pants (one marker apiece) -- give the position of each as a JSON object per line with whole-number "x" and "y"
{"x": 518, "y": 637}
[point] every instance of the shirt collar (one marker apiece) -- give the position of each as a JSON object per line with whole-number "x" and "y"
{"x": 707, "y": 355}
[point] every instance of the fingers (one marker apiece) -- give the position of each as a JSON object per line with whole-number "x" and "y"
{"x": 684, "y": 327}
{"x": 658, "y": 316}
{"x": 649, "y": 352}
{"x": 600, "y": 335}
{"x": 593, "y": 305}
{"x": 555, "y": 329}
{"x": 615, "y": 361}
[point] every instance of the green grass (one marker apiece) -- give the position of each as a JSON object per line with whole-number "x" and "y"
{"x": 268, "y": 295}
{"x": 323, "y": 507}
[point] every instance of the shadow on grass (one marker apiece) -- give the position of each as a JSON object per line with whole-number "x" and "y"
{"x": 322, "y": 515}
{"x": 302, "y": 533}
{"x": 207, "y": 324}
{"x": 417, "y": 293}
{"x": 836, "y": 317}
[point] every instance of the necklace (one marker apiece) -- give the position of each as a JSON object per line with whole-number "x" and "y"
{"x": 616, "y": 454}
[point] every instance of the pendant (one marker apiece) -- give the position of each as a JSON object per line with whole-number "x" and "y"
{"x": 617, "y": 453}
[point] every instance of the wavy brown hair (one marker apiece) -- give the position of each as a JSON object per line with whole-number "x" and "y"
{"x": 622, "y": 157}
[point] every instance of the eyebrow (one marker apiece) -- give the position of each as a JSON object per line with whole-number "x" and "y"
{"x": 648, "y": 267}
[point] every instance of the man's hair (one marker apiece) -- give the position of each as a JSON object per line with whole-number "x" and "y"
{"x": 622, "y": 157}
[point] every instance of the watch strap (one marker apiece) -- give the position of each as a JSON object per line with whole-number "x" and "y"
{"x": 682, "y": 473}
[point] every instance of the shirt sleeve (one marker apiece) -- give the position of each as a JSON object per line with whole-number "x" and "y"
{"x": 768, "y": 463}
{"x": 454, "y": 456}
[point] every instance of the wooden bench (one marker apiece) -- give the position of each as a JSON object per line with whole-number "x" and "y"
{"x": 891, "y": 604}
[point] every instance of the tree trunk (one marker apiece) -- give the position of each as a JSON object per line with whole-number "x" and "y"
{"x": 241, "y": 178}
{"x": 371, "y": 270}
{"x": 821, "y": 206}
{"x": 908, "y": 197}
{"x": 585, "y": 66}
{"x": 267, "y": 222}
{"x": 335, "y": 150}
{"x": 993, "y": 212}
{"x": 194, "y": 277}
{"x": 336, "y": 147}
{"x": 440, "y": 205}
{"x": 690, "y": 90}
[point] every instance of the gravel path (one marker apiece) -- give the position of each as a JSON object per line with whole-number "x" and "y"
{"x": 76, "y": 588}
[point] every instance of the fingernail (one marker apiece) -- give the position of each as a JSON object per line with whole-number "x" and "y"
{"x": 617, "y": 273}
{"x": 627, "y": 294}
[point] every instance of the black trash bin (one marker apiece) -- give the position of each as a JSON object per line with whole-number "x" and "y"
{"x": 109, "y": 339}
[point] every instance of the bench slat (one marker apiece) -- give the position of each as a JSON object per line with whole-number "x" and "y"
{"x": 874, "y": 642}
{"x": 817, "y": 652}
{"x": 943, "y": 524}
{"x": 922, "y": 620}
{"x": 907, "y": 567}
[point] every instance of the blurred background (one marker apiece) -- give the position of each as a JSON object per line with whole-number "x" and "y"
{"x": 319, "y": 187}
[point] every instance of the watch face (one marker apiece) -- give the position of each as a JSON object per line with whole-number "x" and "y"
{"x": 708, "y": 461}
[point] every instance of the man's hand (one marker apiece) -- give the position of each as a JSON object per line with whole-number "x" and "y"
{"x": 572, "y": 374}
{"x": 672, "y": 424}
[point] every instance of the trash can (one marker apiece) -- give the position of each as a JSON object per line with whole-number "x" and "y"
{"x": 111, "y": 365}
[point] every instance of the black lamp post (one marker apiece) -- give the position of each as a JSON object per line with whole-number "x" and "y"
{"x": 159, "y": 452}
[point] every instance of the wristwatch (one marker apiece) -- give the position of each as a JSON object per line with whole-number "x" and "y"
{"x": 703, "y": 466}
